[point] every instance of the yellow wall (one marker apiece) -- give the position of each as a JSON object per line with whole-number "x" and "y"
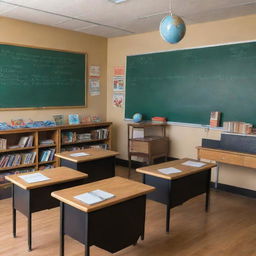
{"x": 24, "y": 33}
{"x": 183, "y": 139}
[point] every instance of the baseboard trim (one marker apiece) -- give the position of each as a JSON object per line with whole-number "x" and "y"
{"x": 235, "y": 190}
{"x": 222, "y": 187}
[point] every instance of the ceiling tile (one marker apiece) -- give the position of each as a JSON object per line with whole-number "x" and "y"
{"x": 73, "y": 24}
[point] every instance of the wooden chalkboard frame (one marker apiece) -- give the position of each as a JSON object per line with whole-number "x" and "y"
{"x": 59, "y": 50}
{"x": 174, "y": 122}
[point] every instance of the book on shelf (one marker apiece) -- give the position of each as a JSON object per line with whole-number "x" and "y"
{"x": 215, "y": 119}
{"x": 47, "y": 155}
{"x": 26, "y": 141}
{"x": 46, "y": 142}
{"x": 83, "y": 136}
{"x": 3, "y": 144}
{"x": 73, "y": 119}
{"x": 67, "y": 137}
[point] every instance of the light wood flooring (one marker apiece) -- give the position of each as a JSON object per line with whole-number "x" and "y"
{"x": 228, "y": 229}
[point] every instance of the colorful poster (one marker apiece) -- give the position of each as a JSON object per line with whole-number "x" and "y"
{"x": 118, "y": 83}
{"x": 94, "y": 86}
{"x": 119, "y": 71}
{"x": 94, "y": 71}
{"x": 118, "y": 100}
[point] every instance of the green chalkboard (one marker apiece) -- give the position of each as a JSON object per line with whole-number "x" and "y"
{"x": 31, "y": 77}
{"x": 186, "y": 85}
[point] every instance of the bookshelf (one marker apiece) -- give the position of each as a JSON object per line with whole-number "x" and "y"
{"x": 31, "y": 149}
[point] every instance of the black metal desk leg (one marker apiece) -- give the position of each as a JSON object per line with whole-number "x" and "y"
{"x": 61, "y": 229}
{"x": 87, "y": 250}
{"x": 13, "y": 213}
{"x": 207, "y": 196}
{"x": 29, "y": 231}
{"x": 168, "y": 210}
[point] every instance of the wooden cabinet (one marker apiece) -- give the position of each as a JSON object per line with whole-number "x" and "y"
{"x": 31, "y": 149}
{"x": 147, "y": 147}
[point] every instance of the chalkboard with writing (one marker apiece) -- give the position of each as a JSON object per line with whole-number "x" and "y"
{"x": 186, "y": 85}
{"x": 32, "y": 77}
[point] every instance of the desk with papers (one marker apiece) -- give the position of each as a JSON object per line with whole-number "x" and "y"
{"x": 116, "y": 221}
{"x": 177, "y": 181}
{"x": 31, "y": 192}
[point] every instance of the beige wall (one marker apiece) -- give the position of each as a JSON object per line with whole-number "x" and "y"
{"x": 183, "y": 139}
{"x": 24, "y": 33}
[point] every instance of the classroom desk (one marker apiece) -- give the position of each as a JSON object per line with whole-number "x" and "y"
{"x": 227, "y": 157}
{"x": 28, "y": 198}
{"x": 99, "y": 164}
{"x": 112, "y": 224}
{"x": 175, "y": 189}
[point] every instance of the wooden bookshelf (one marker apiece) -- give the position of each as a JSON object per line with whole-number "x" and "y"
{"x": 55, "y": 135}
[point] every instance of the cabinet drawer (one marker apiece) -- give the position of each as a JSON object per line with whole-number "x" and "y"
{"x": 139, "y": 146}
{"x": 222, "y": 157}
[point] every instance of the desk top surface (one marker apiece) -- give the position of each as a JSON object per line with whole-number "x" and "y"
{"x": 185, "y": 170}
{"x": 94, "y": 154}
{"x": 122, "y": 188}
{"x": 56, "y": 175}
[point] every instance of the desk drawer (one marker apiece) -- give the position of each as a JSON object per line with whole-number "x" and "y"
{"x": 222, "y": 157}
{"x": 139, "y": 146}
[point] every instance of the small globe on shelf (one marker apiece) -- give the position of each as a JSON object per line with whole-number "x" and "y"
{"x": 172, "y": 29}
{"x": 137, "y": 117}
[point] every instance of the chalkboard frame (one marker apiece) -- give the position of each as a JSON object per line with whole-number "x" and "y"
{"x": 58, "y": 50}
{"x": 127, "y": 116}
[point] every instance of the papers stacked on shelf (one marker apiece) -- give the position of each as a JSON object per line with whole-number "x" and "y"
{"x": 169, "y": 170}
{"x": 95, "y": 196}
{"x": 35, "y": 177}
{"x": 193, "y": 164}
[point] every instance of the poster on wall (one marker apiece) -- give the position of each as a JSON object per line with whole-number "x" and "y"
{"x": 94, "y": 71}
{"x": 118, "y": 83}
{"x": 94, "y": 86}
{"x": 118, "y": 100}
{"x": 119, "y": 71}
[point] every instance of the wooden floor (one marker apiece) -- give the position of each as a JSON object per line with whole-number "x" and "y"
{"x": 228, "y": 229}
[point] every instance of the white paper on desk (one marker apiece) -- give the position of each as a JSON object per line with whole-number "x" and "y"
{"x": 35, "y": 177}
{"x": 169, "y": 170}
{"x": 193, "y": 164}
{"x": 79, "y": 154}
{"x": 93, "y": 197}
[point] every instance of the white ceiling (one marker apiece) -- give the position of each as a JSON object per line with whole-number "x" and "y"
{"x": 104, "y": 18}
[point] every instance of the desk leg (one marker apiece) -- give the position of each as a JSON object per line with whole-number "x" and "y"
{"x": 87, "y": 250}
{"x": 13, "y": 214}
{"x": 61, "y": 229}
{"x": 217, "y": 176}
{"x": 168, "y": 209}
{"x": 29, "y": 232}
{"x": 207, "y": 198}
{"x": 129, "y": 165}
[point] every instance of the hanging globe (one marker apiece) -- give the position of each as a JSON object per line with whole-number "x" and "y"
{"x": 172, "y": 29}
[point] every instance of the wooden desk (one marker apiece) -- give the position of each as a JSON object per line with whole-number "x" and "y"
{"x": 32, "y": 197}
{"x": 227, "y": 157}
{"x": 112, "y": 224}
{"x": 175, "y": 189}
{"x": 99, "y": 164}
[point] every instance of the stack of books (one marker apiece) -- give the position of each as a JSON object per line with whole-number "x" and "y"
{"x": 215, "y": 119}
{"x": 3, "y": 143}
{"x": 158, "y": 120}
{"x": 17, "y": 159}
{"x": 47, "y": 155}
{"x": 238, "y": 127}
{"x": 83, "y": 136}
{"x": 46, "y": 142}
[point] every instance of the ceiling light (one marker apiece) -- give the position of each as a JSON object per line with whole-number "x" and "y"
{"x": 117, "y": 1}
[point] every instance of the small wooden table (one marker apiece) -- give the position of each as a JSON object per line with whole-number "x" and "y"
{"x": 227, "y": 157}
{"x": 112, "y": 224}
{"x": 99, "y": 164}
{"x": 33, "y": 197}
{"x": 175, "y": 189}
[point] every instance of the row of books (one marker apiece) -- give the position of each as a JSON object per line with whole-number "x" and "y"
{"x": 73, "y": 148}
{"x": 3, "y": 143}
{"x": 45, "y": 167}
{"x": 17, "y": 159}
{"x": 69, "y": 136}
{"x": 238, "y": 127}
{"x": 46, "y": 142}
{"x": 47, "y": 155}
{"x": 18, "y": 171}
{"x": 26, "y": 141}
